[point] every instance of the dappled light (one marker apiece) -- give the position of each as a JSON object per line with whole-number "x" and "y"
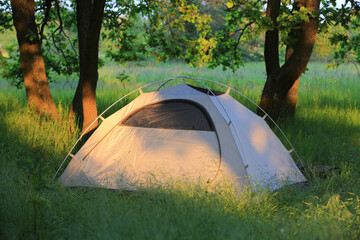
{"x": 258, "y": 139}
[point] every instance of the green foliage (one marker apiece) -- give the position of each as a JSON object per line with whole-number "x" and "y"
{"x": 56, "y": 24}
{"x": 123, "y": 28}
{"x": 349, "y": 42}
{"x": 177, "y": 29}
{"x": 348, "y": 17}
{"x": 10, "y": 67}
{"x": 5, "y": 15}
{"x": 222, "y": 33}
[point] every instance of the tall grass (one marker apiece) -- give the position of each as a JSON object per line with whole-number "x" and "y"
{"x": 325, "y": 130}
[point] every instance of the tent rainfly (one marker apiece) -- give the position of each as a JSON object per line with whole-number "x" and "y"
{"x": 182, "y": 133}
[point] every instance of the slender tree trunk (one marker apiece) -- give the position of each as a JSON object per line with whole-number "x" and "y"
{"x": 31, "y": 61}
{"x": 91, "y": 66}
{"x": 289, "y": 104}
{"x": 83, "y": 15}
{"x": 271, "y": 48}
{"x": 279, "y": 82}
{"x": 89, "y": 20}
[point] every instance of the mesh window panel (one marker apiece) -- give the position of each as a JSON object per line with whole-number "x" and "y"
{"x": 175, "y": 114}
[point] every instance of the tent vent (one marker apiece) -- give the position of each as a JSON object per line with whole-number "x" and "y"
{"x": 246, "y": 166}
{"x": 72, "y": 155}
{"x": 228, "y": 90}
{"x": 265, "y": 116}
{"x": 291, "y": 150}
{"x": 206, "y": 91}
{"x": 101, "y": 117}
{"x": 229, "y": 123}
{"x": 140, "y": 90}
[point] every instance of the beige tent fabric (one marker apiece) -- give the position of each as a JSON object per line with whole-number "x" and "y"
{"x": 269, "y": 163}
{"x": 243, "y": 150}
{"x": 129, "y": 157}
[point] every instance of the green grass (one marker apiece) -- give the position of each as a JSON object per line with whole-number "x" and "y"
{"x": 325, "y": 130}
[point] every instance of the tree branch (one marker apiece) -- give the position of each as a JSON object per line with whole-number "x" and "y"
{"x": 47, "y": 7}
{"x": 59, "y": 15}
{"x": 241, "y": 30}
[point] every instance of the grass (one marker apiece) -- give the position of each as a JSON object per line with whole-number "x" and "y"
{"x": 325, "y": 130}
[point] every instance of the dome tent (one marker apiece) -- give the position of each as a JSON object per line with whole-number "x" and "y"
{"x": 182, "y": 133}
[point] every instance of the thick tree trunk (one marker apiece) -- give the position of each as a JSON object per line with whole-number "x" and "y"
{"x": 279, "y": 82}
{"x": 31, "y": 61}
{"x": 89, "y": 26}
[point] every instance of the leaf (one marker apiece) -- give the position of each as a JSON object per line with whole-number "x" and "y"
{"x": 229, "y": 4}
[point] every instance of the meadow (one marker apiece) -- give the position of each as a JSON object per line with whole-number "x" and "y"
{"x": 324, "y": 131}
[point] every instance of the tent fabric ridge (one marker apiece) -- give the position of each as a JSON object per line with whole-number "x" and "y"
{"x": 242, "y": 153}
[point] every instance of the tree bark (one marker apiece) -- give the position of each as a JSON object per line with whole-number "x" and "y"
{"x": 289, "y": 104}
{"x": 279, "y": 82}
{"x": 91, "y": 66}
{"x": 89, "y": 17}
{"x": 271, "y": 48}
{"x": 32, "y": 64}
{"x": 83, "y": 15}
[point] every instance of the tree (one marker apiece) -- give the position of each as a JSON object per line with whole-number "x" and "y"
{"x": 185, "y": 28}
{"x": 280, "y": 89}
{"x": 293, "y": 24}
{"x": 90, "y": 17}
{"x": 89, "y": 20}
{"x": 31, "y": 61}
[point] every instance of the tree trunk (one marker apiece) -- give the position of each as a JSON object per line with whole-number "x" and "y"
{"x": 289, "y": 104}
{"x": 32, "y": 64}
{"x": 271, "y": 48}
{"x": 271, "y": 51}
{"x": 279, "y": 82}
{"x": 83, "y": 15}
{"x": 89, "y": 26}
{"x": 91, "y": 66}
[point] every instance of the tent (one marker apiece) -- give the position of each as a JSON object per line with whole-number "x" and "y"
{"x": 182, "y": 133}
